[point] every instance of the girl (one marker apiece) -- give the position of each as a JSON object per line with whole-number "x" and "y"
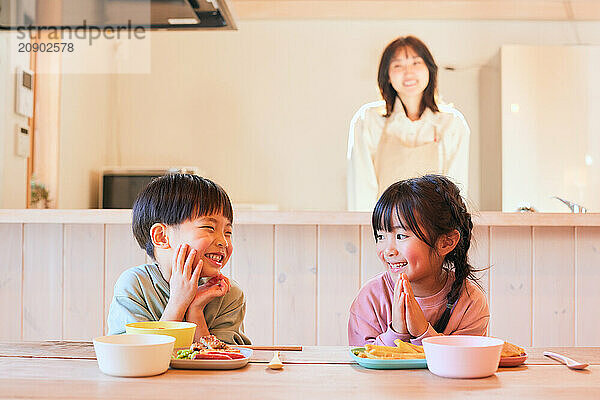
{"x": 408, "y": 133}
{"x": 423, "y": 232}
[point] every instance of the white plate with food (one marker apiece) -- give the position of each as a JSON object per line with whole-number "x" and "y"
{"x": 402, "y": 356}
{"x": 214, "y": 363}
{"x": 210, "y": 353}
{"x": 389, "y": 363}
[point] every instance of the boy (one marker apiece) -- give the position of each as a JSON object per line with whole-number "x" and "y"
{"x": 184, "y": 223}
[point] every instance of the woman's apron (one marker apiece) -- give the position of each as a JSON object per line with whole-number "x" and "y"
{"x": 397, "y": 159}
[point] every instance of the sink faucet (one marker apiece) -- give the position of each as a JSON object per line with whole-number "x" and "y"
{"x": 574, "y": 207}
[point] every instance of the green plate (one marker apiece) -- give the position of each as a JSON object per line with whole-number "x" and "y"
{"x": 387, "y": 364}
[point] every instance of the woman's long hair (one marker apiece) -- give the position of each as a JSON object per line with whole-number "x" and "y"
{"x": 388, "y": 92}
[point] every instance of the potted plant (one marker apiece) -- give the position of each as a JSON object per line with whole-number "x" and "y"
{"x": 40, "y": 197}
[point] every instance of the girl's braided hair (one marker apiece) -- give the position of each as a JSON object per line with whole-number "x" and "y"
{"x": 431, "y": 206}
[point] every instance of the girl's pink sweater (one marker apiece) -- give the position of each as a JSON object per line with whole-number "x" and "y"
{"x": 371, "y": 313}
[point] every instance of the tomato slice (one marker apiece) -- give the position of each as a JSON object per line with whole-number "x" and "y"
{"x": 213, "y": 356}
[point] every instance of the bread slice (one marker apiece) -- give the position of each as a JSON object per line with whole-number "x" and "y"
{"x": 511, "y": 350}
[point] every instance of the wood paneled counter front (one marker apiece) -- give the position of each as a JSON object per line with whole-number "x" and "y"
{"x": 300, "y": 272}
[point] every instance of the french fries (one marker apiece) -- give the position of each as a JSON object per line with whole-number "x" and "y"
{"x": 383, "y": 355}
{"x": 399, "y": 343}
{"x": 402, "y": 351}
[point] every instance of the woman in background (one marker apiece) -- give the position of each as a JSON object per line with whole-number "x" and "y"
{"x": 408, "y": 133}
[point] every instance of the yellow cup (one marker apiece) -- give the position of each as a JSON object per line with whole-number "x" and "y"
{"x": 183, "y": 332}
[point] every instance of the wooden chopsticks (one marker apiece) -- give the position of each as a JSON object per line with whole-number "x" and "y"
{"x": 273, "y": 348}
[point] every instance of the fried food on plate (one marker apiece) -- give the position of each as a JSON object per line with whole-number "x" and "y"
{"x": 404, "y": 351}
{"x": 209, "y": 347}
{"x": 382, "y": 355}
{"x": 408, "y": 347}
{"x": 404, "y": 348}
{"x": 211, "y": 342}
{"x": 511, "y": 350}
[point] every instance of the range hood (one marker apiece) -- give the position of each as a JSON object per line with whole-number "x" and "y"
{"x": 149, "y": 14}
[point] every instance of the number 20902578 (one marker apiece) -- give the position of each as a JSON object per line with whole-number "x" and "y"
{"x": 43, "y": 47}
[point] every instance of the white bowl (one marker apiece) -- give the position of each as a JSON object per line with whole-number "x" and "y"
{"x": 134, "y": 355}
{"x": 462, "y": 356}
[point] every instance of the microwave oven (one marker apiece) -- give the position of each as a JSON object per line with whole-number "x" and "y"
{"x": 120, "y": 186}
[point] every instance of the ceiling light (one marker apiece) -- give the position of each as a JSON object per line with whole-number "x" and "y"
{"x": 183, "y": 21}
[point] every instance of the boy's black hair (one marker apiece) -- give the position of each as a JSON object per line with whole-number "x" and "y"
{"x": 174, "y": 198}
{"x": 430, "y": 206}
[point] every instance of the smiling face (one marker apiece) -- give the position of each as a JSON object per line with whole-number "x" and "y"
{"x": 408, "y": 74}
{"x": 401, "y": 251}
{"x": 210, "y": 235}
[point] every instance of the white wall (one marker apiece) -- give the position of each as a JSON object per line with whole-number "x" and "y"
{"x": 13, "y": 169}
{"x": 551, "y": 143}
{"x": 86, "y": 126}
{"x": 265, "y": 110}
{"x": 87, "y": 119}
{"x": 89, "y": 105}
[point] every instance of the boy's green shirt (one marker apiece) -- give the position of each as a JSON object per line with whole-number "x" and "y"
{"x": 141, "y": 294}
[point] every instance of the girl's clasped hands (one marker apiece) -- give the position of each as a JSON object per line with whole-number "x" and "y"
{"x": 407, "y": 316}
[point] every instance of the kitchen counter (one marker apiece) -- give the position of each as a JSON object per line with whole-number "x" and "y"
{"x": 245, "y": 217}
{"x": 540, "y": 272}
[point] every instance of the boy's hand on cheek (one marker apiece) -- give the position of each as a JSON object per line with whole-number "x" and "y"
{"x": 415, "y": 319}
{"x": 183, "y": 283}
{"x": 216, "y": 286}
{"x": 398, "y": 309}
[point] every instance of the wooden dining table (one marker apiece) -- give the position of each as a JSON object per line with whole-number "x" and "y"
{"x": 69, "y": 370}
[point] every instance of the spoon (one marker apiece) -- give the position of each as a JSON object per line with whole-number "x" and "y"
{"x": 275, "y": 363}
{"x": 566, "y": 360}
